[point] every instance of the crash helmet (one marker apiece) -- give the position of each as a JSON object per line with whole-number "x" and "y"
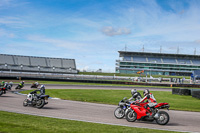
{"x": 3, "y": 82}
{"x": 133, "y": 91}
{"x": 146, "y": 92}
{"x": 42, "y": 86}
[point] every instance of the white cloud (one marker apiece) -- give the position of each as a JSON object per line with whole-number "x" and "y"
{"x": 110, "y": 31}
{"x": 59, "y": 43}
{"x": 7, "y": 34}
{"x": 13, "y": 22}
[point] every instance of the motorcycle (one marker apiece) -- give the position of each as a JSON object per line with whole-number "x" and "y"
{"x": 120, "y": 111}
{"x": 35, "y": 100}
{"x": 8, "y": 87}
{"x": 20, "y": 86}
{"x": 34, "y": 85}
{"x": 139, "y": 112}
{"x": 2, "y": 91}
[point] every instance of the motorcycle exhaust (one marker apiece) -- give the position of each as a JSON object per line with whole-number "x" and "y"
{"x": 157, "y": 115}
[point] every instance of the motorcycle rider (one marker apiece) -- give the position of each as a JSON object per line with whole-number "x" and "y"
{"x": 151, "y": 101}
{"x": 5, "y": 86}
{"x": 11, "y": 83}
{"x": 36, "y": 83}
{"x": 135, "y": 95}
{"x": 2, "y": 83}
{"x": 21, "y": 84}
{"x": 32, "y": 94}
{"x": 9, "y": 86}
{"x": 42, "y": 90}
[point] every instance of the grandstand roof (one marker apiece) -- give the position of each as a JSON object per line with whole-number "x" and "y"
{"x": 122, "y": 53}
{"x": 36, "y": 56}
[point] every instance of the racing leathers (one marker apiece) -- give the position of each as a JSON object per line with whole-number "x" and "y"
{"x": 150, "y": 99}
{"x": 137, "y": 96}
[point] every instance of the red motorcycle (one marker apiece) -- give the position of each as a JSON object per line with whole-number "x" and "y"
{"x": 139, "y": 112}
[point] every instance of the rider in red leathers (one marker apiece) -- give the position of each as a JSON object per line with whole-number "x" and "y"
{"x": 151, "y": 101}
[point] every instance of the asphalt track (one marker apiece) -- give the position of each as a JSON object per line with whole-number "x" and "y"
{"x": 98, "y": 113}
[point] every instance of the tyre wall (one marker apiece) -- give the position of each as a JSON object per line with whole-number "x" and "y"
{"x": 193, "y": 92}
{"x": 181, "y": 91}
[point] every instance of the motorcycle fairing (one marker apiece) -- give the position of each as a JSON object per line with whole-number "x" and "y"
{"x": 139, "y": 109}
{"x": 162, "y": 105}
{"x": 42, "y": 96}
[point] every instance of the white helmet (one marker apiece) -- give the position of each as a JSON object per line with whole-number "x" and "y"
{"x": 42, "y": 86}
{"x": 133, "y": 91}
{"x": 146, "y": 92}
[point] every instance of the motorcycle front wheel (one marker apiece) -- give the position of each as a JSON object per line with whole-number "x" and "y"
{"x": 131, "y": 116}
{"x": 1, "y": 92}
{"x": 119, "y": 113}
{"x": 163, "y": 118}
{"x": 40, "y": 103}
{"x": 25, "y": 103}
{"x": 17, "y": 88}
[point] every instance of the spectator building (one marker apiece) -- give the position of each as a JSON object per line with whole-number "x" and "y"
{"x": 157, "y": 63}
{"x": 18, "y": 63}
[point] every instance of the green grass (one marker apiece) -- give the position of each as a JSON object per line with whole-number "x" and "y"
{"x": 177, "y": 102}
{"x": 20, "y": 123}
{"x": 98, "y": 84}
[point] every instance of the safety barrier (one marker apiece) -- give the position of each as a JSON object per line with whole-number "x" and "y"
{"x": 192, "y": 92}
{"x": 195, "y": 93}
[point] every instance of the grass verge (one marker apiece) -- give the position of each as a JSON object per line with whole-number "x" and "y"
{"x": 97, "y": 84}
{"x": 20, "y": 123}
{"x": 177, "y": 102}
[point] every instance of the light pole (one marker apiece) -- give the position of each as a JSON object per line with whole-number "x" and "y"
{"x": 53, "y": 68}
{"x": 6, "y": 65}
{"x": 21, "y": 67}
{"x": 39, "y": 68}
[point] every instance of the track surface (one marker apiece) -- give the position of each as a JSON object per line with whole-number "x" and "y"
{"x": 97, "y": 113}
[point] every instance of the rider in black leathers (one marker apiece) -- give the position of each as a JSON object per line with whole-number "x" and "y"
{"x": 41, "y": 90}
{"x": 136, "y": 96}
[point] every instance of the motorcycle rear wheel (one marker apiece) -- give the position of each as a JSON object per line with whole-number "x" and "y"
{"x": 40, "y": 103}
{"x": 119, "y": 113}
{"x": 131, "y": 116}
{"x": 163, "y": 118}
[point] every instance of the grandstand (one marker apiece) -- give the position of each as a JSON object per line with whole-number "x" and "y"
{"x": 19, "y": 63}
{"x": 157, "y": 63}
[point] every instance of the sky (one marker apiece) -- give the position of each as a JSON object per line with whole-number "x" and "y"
{"x": 93, "y": 31}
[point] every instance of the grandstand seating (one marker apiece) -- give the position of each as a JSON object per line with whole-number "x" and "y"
{"x": 183, "y": 61}
{"x": 38, "y": 61}
{"x": 160, "y": 60}
{"x": 139, "y": 59}
{"x": 127, "y": 58}
{"x": 169, "y": 60}
{"x": 37, "y": 64}
{"x": 21, "y": 60}
{"x": 196, "y": 62}
{"x": 5, "y": 59}
{"x": 154, "y": 60}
